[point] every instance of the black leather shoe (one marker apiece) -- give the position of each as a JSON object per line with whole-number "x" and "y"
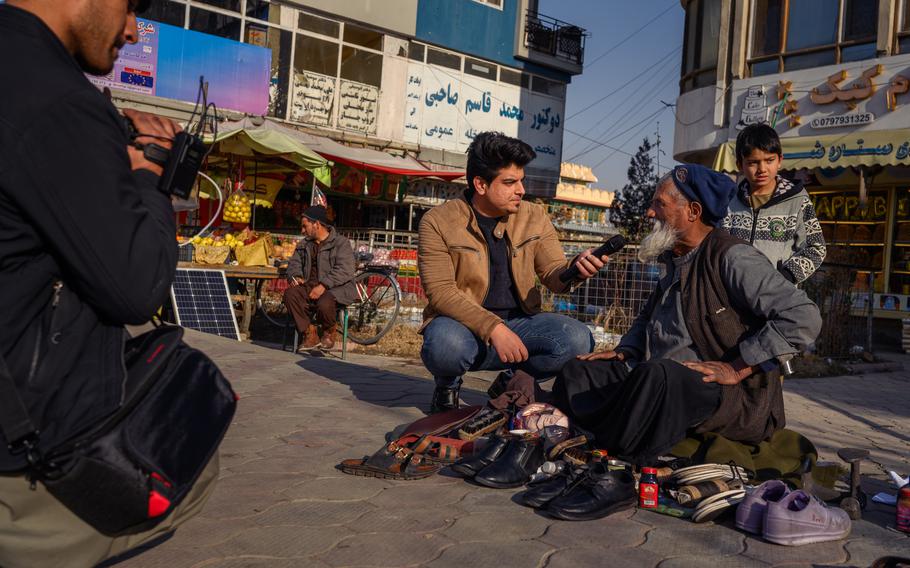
{"x": 515, "y": 465}
{"x": 444, "y": 398}
{"x": 599, "y": 493}
{"x": 542, "y": 492}
{"x": 498, "y": 386}
{"x": 469, "y": 467}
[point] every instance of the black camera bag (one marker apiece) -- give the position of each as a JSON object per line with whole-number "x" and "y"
{"x": 130, "y": 470}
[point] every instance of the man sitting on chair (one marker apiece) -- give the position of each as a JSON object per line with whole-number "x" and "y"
{"x": 321, "y": 276}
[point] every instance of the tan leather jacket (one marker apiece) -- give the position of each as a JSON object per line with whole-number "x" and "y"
{"x": 454, "y": 262}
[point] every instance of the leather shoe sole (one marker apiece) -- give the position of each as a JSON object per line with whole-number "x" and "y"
{"x": 557, "y": 513}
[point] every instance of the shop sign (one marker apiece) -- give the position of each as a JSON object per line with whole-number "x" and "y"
{"x": 314, "y": 98}
{"x": 854, "y": 119}
{"x": 136, "y": 68}
{"x": 358, "y": 107}
{"x": 847, "y": 207}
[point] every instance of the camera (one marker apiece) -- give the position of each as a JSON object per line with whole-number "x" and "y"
{"x": 181, "y": 163}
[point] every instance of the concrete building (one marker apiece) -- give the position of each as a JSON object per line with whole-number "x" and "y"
{"x": 833, "y": 78}
{"x": 580, "y": 210}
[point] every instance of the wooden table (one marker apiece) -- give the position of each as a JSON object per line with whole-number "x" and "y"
{"x": 256, "y": 275}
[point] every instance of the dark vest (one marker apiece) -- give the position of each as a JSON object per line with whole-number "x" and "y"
{"x": 754, "y": 409}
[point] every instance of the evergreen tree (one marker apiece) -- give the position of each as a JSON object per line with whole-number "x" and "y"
{"x": 632, "y": 202}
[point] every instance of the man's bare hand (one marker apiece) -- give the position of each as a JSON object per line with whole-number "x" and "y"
{"x": 720, "y": 372}
{"x": 588, "y": 265}
{"x": 317, "y": 292}
{"x": 510, "y": 347}
{"x": 604, "y": 356}
{"x": 295, "y": 281}
{"x": 161, "y": 131}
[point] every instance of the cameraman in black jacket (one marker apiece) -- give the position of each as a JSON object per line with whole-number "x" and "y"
{"x": 87, "y": 244}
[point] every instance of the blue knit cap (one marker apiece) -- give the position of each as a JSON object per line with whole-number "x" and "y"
{"x": 712, "y": 189}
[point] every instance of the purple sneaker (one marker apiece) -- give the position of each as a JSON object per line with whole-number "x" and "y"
{"x": 800, "y": 518}
{"x": 750, "y": 515}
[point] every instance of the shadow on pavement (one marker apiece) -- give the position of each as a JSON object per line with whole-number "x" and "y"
{"x": 380, "y": 387}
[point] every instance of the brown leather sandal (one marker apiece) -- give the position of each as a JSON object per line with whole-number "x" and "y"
{"x": 394, "y": 461}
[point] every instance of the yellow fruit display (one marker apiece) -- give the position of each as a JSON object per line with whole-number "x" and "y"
{"x": 237, "y": 208}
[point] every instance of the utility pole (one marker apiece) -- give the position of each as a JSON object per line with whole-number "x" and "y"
{"x": 657, "y": 145}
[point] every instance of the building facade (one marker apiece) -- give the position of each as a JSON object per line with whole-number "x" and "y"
{"x": 579, "y": 210}
{"x": 833, "y": 78}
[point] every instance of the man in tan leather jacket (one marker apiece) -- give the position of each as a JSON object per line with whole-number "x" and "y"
{"x": 480, "y": 257}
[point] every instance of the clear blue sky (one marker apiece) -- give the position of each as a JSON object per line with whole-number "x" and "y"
{"x": 621, "y": 120}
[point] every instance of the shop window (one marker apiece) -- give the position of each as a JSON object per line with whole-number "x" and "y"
{"x": 167, "y": 12}
{"x": 263, "y": 10}
{"x": 701, "y": 39}
{"x": 416, "y": 51}
{"x": 317, "y": 55}
{"x": 514, "y": 78}
{"x": 480, "y": 68}
{"x": 361, "y": 66}
{"x": 215, "y": 23}
{"x": 232, "y": 5}
{"x": 548, "y": 87}
{"x": 443, "y": 59}
{"x": 363, "y": 37}
{"x": 279, "y": 42}
{"x": 318, "y": 25}
{"x": 788, "y": 35}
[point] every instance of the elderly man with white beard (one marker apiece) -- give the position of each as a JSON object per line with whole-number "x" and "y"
{"x": 705, "y": 351}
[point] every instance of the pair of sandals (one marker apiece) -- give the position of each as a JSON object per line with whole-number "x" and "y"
{"x": 409, "y": 457}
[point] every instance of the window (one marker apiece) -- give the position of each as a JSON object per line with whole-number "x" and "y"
{"x": 788, "y": 35}
{"x": 702, "y": 35}
{"x": 416, "y": 51}
{"x": 232, "y": 5}
{"x": 548, "y": 87}
{"x": 514, "y": 78}
{"x": 903, "y": 32}
{"x": 361, "y": 66}
{"x": 167, "y": 13}
{"x": 215, "y": 23}
{"x": 317, "y": 55}
{"x": 444, "y": 59}
{"x": 279, "y": 41}
{"x": 494, "y": 3}
{"x": 363, "y": 37}
{"x": 263, "y": 10}
{"x": 480, "y": 68}
{"x": 318, "y": 25}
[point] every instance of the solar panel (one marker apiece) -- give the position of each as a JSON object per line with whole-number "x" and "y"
{"x": 201, "y": 302}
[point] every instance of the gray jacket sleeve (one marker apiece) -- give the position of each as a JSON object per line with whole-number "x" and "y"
{"x": 343, "y": 270}
{"x": 635, "y": 341}
{"x": 295, "y": 263}
{"x": 793, "y": 320}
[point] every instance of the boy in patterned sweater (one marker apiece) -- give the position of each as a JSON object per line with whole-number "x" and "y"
{"x": 773, "y": 214}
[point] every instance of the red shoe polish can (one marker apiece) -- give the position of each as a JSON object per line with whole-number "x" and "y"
{"x": 648, "y": 489}
{"x": 902, "y": 520}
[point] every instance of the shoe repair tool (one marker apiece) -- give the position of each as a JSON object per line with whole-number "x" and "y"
{"x": 855, "y": 501}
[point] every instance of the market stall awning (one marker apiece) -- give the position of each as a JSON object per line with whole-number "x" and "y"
{"x": 250, "y": 140}
{"x": 360, "y": 158}
{"x": 876, "y": 148}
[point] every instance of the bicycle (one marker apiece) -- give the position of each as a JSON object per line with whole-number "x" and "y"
{"x": 370, "y": 317}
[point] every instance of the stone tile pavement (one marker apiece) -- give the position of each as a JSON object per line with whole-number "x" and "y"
{"x": 281, "y": 503}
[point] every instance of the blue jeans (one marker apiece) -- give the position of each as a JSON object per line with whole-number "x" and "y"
{"x": 450, "y": 349}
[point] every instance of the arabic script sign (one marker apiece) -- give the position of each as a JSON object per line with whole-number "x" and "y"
{"x": 856, "y": 119}
{"x": 314, "y": 97}
{"x": 358, "y": 107}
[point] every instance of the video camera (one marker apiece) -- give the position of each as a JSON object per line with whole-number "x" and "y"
{"x": 188, "y": 152}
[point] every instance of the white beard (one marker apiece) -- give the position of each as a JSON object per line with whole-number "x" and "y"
{"x": 659, "y": 240}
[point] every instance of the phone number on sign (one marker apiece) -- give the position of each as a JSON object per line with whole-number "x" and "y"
{"x": 843, "y": 120}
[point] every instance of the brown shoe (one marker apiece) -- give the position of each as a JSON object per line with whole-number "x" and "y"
{"x": 328, "y": 340}
{"x": 311, "y": 340}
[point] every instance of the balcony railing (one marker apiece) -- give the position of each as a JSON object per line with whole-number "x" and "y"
{"x": 555, "y": 37}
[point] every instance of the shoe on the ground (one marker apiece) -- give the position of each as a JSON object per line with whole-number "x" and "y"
{"x": 498, "y": 386}
{"x": 444, "y": 398}
{"x": 515, "y": 465}
{"x": 598, "y": 493}
{"x": 542, "y": 492}
{"x": 469, "y": 467}
{"x": 310, "y": 340}
{"x": 328, "y": 339}
{"x": 750, "y": 515}
{"x": 801, "y": 518}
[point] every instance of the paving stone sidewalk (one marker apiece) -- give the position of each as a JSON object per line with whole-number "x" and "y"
{"x": 281, "y": 503}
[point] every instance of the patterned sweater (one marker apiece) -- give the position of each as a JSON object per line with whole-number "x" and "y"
{"x": 785, "y": 229}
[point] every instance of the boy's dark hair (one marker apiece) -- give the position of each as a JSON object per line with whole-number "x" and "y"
{"x": 757, "y": 137}
{"x": 492, "y": 151}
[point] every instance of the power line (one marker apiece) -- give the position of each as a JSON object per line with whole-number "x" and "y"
{"x": 636, "y": 134}
{"x": 626, "y": 84}
{"x": 639, "y": 123}
{"x": 631, "y": 35}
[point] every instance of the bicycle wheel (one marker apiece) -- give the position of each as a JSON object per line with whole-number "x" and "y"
{"x": 271, "y": 306}
{"x": 374, "y": 312}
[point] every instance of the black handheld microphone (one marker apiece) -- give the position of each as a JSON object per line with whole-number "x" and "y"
{"x": 615, "y": 243}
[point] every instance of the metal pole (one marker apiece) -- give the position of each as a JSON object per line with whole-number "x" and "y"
{"x": 869, "y": 312}
{"x": 255, "y": 182}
